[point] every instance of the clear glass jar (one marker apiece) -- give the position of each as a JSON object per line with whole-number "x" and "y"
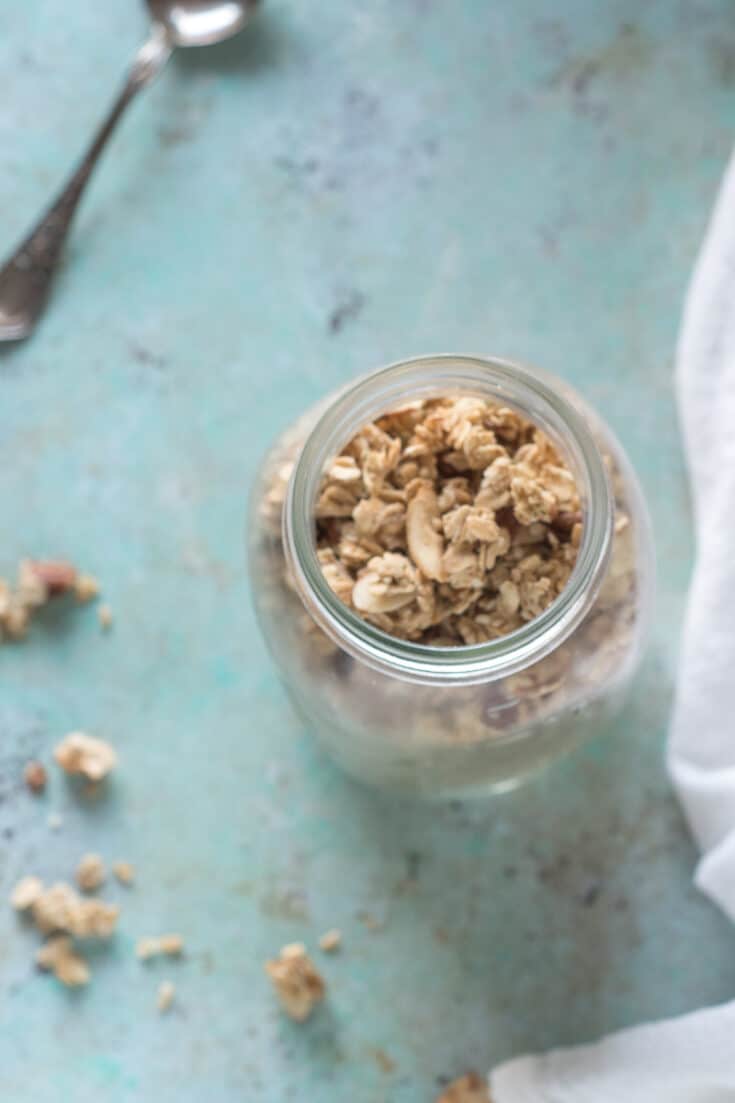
{"x": 454, "y": 720}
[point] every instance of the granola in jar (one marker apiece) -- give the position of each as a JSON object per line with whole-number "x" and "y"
{"x": 450, "y": 521}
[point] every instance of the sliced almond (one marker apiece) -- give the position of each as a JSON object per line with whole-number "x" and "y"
{"x": 369, "y": 595}
{"x": 425, "y": 543}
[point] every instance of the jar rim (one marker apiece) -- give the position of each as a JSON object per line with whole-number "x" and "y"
{"x": 545, "y": 400}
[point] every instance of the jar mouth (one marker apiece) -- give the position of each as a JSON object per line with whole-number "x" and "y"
{"x": 547, "y": 402}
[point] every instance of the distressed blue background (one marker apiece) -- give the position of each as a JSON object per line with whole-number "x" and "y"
{"x": 344, "y": 185}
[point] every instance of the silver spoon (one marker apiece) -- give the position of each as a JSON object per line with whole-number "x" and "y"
{"x": 25, "y": 279}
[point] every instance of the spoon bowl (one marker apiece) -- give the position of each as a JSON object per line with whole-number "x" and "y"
{"x": 200, "y": 22}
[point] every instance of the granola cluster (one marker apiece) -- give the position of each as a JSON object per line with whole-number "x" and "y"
{"x": 61, "y": 915}
{"x": 60, "y": 909}
{"x": 85, "y": 755}
{"x": 297, "y": 982}
{"x": 449, "y": 521}
{"x": 59, "y": 957}
{"x": 39, "y": 581}
{"x": 90, "y": 873}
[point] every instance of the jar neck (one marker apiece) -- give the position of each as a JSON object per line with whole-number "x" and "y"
{"x": 550, "y": 405}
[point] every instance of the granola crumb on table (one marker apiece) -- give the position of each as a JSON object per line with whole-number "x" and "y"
{"x": 330, "y": 941}
{"x": 451, "y": 521}
{"x": 41, "y": 580}
{"x": 470, "y": 1088}
{"x": 165, "y": 945}
{"x": 79, "y": 753}
{"x": 90, "y": 873}
{"x": 38, "y": 582}
{"x": 105, "y": 617}
{"x": 25, "y": 893}
{"x": 86, "y": 588}
{"x": 14, "y": 617}
{"x": 60, "y": 909}
{"x": 297, "y": 983}
{"x": 34, "y": 775}
{"x": 124, "y": 872}
{"x": 166, "y": 996}
{"x": 58, "y": 956}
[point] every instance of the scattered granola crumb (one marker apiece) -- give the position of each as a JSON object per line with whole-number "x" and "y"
{"x": 468, "y": 1089}
{"x": 40, "y": 580}
{"x": 59, "y": 912}
{"x": 5, "y": 600}
{"x": 169, "y": 945}
{"x": 34, "y": 776}
{"x": 146, "y": 948}
{"x": 297, "y": 983}
{"x": 31, "y": 591}
{"x": 172, "y": 944}
{"x": 58, "y": 956}
{"x": 124, "y": 872}
{"x": 330, "y": 941}
{"x": 83, "y": 754}
{"x": 59, "y": 908}
{"x": 86, "y": 588}
{"x": 25, "y": 893}
{"x": 104, "y": 615}
{"x": 166, "y": 996}
{"x": 90, "y": 873}
{"x": 15, "y": 620}
{"x": 55, "y": 821}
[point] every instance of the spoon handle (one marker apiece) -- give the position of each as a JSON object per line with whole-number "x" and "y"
{"x": 26, "y": 277}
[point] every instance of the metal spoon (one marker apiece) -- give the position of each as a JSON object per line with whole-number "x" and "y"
{"x": 25, "y": 279}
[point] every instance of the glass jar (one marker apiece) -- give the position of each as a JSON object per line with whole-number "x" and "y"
{"x": 448, "y": 721}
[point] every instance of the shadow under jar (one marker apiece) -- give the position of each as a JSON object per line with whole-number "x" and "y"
{"x": 453, "y": 721}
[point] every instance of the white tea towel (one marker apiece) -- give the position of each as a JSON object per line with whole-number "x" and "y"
{"x": 686, "y": 1060}
{"x": 702, "y": 744}
{"x": 691, "y": 1059}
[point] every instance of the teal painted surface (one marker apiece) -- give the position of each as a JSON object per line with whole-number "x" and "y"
{"x": 346, "y": 185}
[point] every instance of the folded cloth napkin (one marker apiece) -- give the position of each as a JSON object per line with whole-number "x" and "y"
{"x": 702, "y": 744}
{"x": 686, "y": 1060}
{"x": 691, "y": 1059}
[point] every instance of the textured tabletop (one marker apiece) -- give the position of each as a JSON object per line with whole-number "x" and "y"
{"x": 344, "y": 185}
